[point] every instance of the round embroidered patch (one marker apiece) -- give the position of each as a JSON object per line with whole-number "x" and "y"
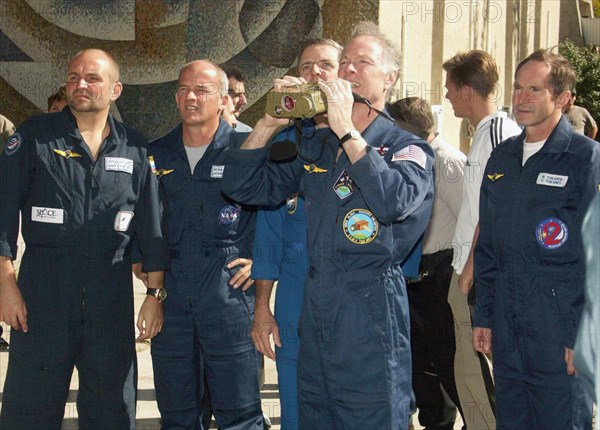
{"x": 360, "y": 226}
{"x": 13, "y": 143}
{"x": 229, "y": 215}
{"x": 551, "y": 233}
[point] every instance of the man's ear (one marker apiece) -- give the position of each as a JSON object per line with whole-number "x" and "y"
{"x": 226, "y": 102}
{"x": 390, "y": 79}
{"x": 562, "y": 99}
{"x": 116, "y": 91}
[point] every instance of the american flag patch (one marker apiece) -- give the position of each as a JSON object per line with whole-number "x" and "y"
{"x": 411, "y": 153}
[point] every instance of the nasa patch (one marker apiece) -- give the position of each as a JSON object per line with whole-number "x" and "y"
{"x": 13, "y": 143}
{"x": 229, "y": 214}
{"x": 551, "y": 233}
{"x": 360, "y": 226}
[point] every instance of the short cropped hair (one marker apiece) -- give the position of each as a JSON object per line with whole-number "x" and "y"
{"x": 115, "y": 73}
{"x": 318, "y": 41}
{"x": 59, "y": 96}
{"x": 476, "y": 69}
{"x": 413, "y": 110}
{"x": 224, "y": 86}
{"x": 391, "y": 54}
{"x": 562, "y": 75}
{"x": 234, "y": 72}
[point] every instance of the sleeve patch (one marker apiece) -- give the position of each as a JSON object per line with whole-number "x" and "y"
{"x": 13, "y": 143}
{"x": 411, "y": 153}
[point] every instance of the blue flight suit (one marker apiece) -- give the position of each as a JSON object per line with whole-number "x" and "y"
{"x": 280, "y": 254}
{"x": 354, "y": 367}
{"x": 529, "y": 273}
{"x": 208, "y": 323}
{"x": 78, "y": 216}
{"x": 587, "y": 357}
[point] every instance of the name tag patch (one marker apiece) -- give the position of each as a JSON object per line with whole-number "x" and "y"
{"x": 117, "y": 164}
{"x": 122, "y": 220}
{"x": 217, "y": 171}
{"x": 48, "y": 215}
{"x": 551, "y": 180}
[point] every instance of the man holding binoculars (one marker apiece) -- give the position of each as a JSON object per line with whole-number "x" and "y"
{"x": 361, "y": 178}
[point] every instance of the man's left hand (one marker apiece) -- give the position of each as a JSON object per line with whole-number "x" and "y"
{"x": 569, "y": 356}
{"x": 150, "y": 319}
{"x": 339, "y": 105}
{"x": 242, "y": 277}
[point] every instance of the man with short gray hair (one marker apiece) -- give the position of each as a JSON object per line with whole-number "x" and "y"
{"x": 361, "y": 178}
{"x": 209, "y": 313}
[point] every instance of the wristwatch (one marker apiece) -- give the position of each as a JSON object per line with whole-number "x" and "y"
{"x": 352, "y": 134}
{"x": 159, "y": 293}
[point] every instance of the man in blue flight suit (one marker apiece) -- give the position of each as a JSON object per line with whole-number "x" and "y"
{"x": 280, "y": 251}
{"x": 83, "y": 186}
{"x": 529, "y": 262}
{"x": 209, "y": 314}
{"x": 354, "y": 361}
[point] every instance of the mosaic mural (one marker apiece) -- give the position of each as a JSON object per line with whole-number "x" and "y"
{"x": 151, "y": 39}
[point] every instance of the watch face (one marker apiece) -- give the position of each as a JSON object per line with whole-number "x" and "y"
{"x": 162, "y": 295}
{"x": 355, "y": 134}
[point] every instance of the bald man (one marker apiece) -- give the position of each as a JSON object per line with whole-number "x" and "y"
{"x": 210, "y": 310}
{"x": 82, "y": 186}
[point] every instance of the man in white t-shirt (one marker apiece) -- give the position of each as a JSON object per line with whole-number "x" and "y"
{"x": 471, "y": 80}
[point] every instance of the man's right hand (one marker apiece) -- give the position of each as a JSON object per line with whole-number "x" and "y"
{"x": 265, "y": 326}
{"x": 13, "y": 310}
{"x": 279, "y": 85}
{"x": 482, "y": 339}
{"x": 136, "y": 268}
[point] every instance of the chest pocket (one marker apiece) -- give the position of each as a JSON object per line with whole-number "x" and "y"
{"x": 119, "y": 185}
{"x": 53, "y": 180}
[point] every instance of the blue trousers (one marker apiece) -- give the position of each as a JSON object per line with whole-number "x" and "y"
{"x": 521, "y": 405}
{"x": 186, "y": 348}
{"x": 40, "y": 369}
{"x": 288, "y": 304}
{"x": 354, "y": 365}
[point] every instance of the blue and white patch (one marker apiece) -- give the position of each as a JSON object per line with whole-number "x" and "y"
{"x": 118, "y": 164}
{"x": 229, "y": 214}
{"x": 343, "y": 187}
{"x": 122, "y": 220}
{"x": 411, "y": 153}
{"x": 47, "y": 215}
{"x": 13, "y": 143}
{"x": 217, "y": 171}
{"x": 552, "y": 233}
{"x": 292, "y": 204}
{"x": 551, "y": 180}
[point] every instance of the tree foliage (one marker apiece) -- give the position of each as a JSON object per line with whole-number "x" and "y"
{"x": 586, "y": 62}
{"x": 596, "y": 6}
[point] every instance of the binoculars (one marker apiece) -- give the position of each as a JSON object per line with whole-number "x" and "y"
{"x": 300, "y": 101}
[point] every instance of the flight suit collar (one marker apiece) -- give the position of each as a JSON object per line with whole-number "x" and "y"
{"x": 221, "y": 138}
{"x": 116, "y": 132}
{"x": 559, "y": 140}
{"x": 373, "y": 134}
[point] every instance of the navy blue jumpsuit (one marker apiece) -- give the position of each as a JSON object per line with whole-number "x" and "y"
{"x": 208, "y": 323}
{"x": 354, "y": 369}
{"x": 78, "y": 216}
{"x": 529, "y": 272}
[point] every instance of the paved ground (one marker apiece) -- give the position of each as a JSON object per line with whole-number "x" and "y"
{"x": 148, "y": 416}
